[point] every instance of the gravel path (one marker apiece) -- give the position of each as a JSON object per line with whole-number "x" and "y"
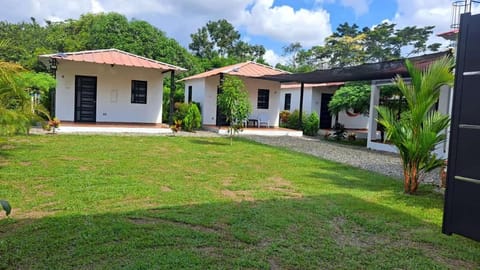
{"x": 381, "y": 162}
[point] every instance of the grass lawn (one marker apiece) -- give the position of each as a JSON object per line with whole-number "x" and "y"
{"x": 198, "y": 203}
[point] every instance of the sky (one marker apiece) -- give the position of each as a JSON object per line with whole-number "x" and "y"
{"x": 271, "y": 23}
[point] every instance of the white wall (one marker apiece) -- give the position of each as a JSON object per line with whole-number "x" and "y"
{"x": 295, "y": 100}
{"x": 198, "y": 92}
{"x": 210, "y": 111}
{"x": 274, "y": 107}
{"x": 312, "y": 99}
{"x": 113, "y": 92}
{"x": 205, "y": 92}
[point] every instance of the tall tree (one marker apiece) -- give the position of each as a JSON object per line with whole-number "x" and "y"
{"x": 420, "y": 128}
{"x": 219, "y": 39}
{"x": 350, "y": 45}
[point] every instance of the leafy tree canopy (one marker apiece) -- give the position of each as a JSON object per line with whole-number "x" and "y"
{"x": 350, "y": 45}
{"x": 234, "y": 103}
{"x": 354, "y": 95}
{"x": 219, "y": 39}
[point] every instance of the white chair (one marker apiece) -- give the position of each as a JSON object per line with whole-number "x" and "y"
{"x": 263, "y": 121}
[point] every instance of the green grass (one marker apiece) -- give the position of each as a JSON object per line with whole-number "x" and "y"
{"x": 112, "y": 202}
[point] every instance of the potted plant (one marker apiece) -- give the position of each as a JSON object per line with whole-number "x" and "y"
{"x": 54, "y": 124}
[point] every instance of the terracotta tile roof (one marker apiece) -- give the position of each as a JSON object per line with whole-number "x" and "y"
{"x": 112, "y": 57}
{"x": 297, "y": 85}
{"x": 246, "y": 69}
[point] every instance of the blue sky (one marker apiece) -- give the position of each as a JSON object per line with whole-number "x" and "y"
{"x": 271, "y": 23}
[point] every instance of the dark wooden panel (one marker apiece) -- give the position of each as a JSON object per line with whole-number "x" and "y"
{"x": 468, "y": 154}
{"x": 469, "y": 111}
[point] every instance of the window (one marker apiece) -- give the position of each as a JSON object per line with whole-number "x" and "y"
{"x": 288, "y": 101}
{"x": 189, "y": 94}
{"x": 262, "y": 100}
{"x": 139, "y": 92}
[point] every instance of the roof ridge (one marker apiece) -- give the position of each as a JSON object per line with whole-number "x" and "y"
{"x": 267, "y": 66}
{"x": 115, "y": 50}
{"x": 236, "y": 66}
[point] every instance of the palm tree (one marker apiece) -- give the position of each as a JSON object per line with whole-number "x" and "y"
{"x": 420, "y": 128}
{"x": 16, "y": 108}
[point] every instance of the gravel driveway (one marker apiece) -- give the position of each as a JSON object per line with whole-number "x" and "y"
{"x": 381, "y": 162}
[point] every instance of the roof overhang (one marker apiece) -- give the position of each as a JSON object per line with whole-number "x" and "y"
{"x": 115, "y": 57}
{"x": 365, "y": 72}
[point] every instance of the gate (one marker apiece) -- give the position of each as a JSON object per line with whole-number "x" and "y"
{"x": 462, "y": 198}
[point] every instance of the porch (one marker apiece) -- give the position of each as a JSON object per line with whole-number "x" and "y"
{"x": 261, "y": 131}
{"x": 113, "y": 128}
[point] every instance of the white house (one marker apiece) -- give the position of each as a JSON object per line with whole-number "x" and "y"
{"x": 315, "y": 99}
{"x": 108, "y": 86}
{"x": 264, "y": 94}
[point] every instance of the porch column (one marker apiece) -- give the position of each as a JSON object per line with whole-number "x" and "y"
{"x": 372, "y": 116}
{"x": 444, "y": 107}
{"x": 172, "y": 95}
{"x": 302, "y": 87}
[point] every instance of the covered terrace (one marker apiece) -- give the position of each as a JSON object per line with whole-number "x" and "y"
{"x": 379, "y": 74}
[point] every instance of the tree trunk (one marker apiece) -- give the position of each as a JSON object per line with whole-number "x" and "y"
{"x": 410, "y": 173}
{"x": 406, "y": 180}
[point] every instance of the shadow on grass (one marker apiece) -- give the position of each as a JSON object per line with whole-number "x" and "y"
{"x": 350, "y": 178}
{"x": 318, "y": 232}
{"x": 209, "y": 142}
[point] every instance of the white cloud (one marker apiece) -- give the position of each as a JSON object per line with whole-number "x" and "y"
{"x": 360, "y": 7}
{"x": 96, "y": 6}
{"x": 272, "y": 58}
{"x": 283, "y": 23}
{"x": 425, "y": 13}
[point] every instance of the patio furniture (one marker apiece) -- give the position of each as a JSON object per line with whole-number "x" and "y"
{"x": 252, "y": 123}
{"x": 263, "y": 121}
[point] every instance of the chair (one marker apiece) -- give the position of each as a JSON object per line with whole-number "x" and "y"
{"x": 263, "y": 121}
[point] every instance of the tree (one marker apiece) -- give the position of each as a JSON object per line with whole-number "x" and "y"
{"x": 350, "y": 45}
{"x": 219, "y": 39}
{"x": 234, "y": 103}
{"x": 355, "y": 96}
{"x": 420, "y": 128}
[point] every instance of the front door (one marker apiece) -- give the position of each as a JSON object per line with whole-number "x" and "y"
{"x": 85, "y": 99}
{"x": 325, "y": 116}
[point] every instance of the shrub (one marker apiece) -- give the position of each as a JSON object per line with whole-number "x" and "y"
{"x": 193, "y": 119}
{"x": 311, "y": 124}
{"x": 293, "y": 120}
{"x": 181, "y": 110}
{"x": 284, "y": 115}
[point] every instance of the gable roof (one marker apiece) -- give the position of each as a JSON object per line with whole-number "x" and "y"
{"x": 112, "y": 57}
{"x": 246, "y": 69}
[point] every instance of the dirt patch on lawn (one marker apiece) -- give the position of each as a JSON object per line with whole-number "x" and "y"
{"x": 165, "y": 189}
{"x": 282, "y": 186}
{"x": 346, "y": 236}
{"x": 7, "y": 147}
{"x": 85, "y": 168}
{"x": 238, "y": 195}
{"x": 25, "y": 163}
